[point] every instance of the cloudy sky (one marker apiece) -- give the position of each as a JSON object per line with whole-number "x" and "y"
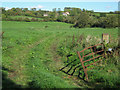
{"x": 101, "y": 6}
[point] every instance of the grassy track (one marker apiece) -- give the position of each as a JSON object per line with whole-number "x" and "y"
{"x": 29, "y": 53}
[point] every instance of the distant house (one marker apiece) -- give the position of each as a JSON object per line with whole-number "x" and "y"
{"x": 45, "y": 15}
{"x": 66, "y": 13}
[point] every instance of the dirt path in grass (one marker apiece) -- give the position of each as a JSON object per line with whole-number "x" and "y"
{"x": 58, "y": 64}
{"x": 18, "y": 64}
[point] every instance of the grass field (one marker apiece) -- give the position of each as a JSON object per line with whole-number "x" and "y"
{"x": 29, "y": 53}
{"x": 14, "y": 17}
{"x": 107, "y": 14}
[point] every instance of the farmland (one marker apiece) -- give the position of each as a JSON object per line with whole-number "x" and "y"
{"x": 31, "y": 54}
{"x": 15, "y": 17}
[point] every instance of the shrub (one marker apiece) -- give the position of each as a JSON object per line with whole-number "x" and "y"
{"x": 19, "y": 19}
{"x": 34, "y": 19}
{"x": 82, "y": 21}
{"x": 110, "y": 21}
{"x": 60, "y": 18}
{"x": 27, "y": 19}
{"x": 102, "y": 14}
{"x": 3, "y": 17}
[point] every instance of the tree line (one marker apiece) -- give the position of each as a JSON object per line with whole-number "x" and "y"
{"x": 78, "y": 17}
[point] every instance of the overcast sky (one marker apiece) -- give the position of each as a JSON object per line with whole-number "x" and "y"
{"x": 101, "y": 6}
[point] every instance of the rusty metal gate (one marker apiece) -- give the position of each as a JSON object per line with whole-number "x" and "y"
{"x": 1, "y": 35}
{"x": 95, "y": 54}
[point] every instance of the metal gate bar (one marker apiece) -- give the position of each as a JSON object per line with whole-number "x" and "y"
{"x": 93, "y": 57}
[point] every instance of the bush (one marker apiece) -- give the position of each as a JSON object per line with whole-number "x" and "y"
{"x": 102, "y": 14}
{"x": 27, "y": 19}
{"x": 3, "y": 17}
{"x": 110, "y": 21}
{"x": 82, "y": 21}
{"x": 60, "y": 18}
{"x": 19, "y": 19}
{"x": 33, "y": 19}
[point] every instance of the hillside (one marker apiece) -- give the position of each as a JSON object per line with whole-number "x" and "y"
{"x": 30, "y": 54}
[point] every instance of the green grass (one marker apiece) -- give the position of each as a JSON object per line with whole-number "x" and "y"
{"x": 96, "y": 13}
{"x": 30, "y": 51}
{"x": 108, "y": 76}
{"x": 107, "y": 14}
{"x": 14, "y": 17}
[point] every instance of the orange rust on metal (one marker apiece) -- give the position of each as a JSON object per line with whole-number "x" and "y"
{"x": 82, "y": 58}
{"x": 90, "y": 47}
{"x": 92, "y": 54}
{"x": 93, "y": 63}
{"x": 88, "y": 60}
{"x": 88, "y": 55}
{"x": 83, "y": 65}
{"x": 99, "y": 51}
{"x": 83, "y": 54}
{"x": 92, "y": 58}
{"x": 1, "y": 34}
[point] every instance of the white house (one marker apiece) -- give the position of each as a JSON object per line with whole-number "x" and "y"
{"x": 66, "y": 13}
{"x": 45, "y": 15}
